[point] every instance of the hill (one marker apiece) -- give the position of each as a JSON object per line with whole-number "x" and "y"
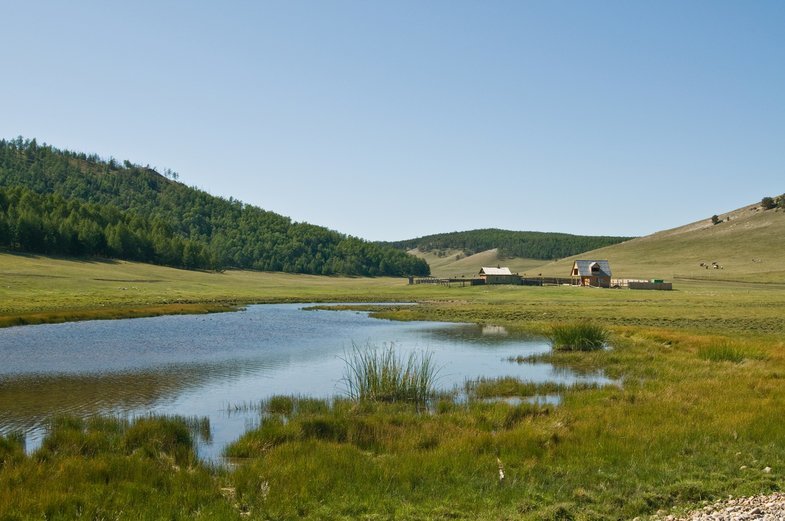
{"x": 462, "y": 253}
{"x": 528, "y": 245}
{"x": 748, "y": 244}
{"x": 68, "y": 203}
{"x": 455, "y": 263}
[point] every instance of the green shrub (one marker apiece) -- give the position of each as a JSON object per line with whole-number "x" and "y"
{"x": 578, "y": 336}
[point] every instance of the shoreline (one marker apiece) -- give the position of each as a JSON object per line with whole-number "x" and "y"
{"x": 180, "y": 308}
{"x": 113, "y": 313}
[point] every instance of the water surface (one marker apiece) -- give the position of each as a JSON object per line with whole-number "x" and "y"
{"x": 207, "y": 365}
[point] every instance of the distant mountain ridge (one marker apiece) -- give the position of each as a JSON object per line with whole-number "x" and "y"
{"x": 523, "y": 244}
{"x": 60, "y": 202}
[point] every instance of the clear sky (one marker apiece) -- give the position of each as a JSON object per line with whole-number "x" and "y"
{"x": 391, "y": 120}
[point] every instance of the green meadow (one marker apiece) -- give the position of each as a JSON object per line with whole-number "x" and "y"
{"x": 694, "y": 414}
{"x": 36, "y": 289}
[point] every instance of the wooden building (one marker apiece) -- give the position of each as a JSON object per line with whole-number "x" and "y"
{"x": 595, "y": 273}
{"x": 499, "y": 275}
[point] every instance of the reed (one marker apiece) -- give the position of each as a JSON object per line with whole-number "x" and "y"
{"x": 578, "y": 336}
{"x": 376, "y": 374}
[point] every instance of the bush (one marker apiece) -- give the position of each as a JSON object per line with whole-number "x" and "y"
{"x": 578, "y": 336}
{"x": 768, "y": 203}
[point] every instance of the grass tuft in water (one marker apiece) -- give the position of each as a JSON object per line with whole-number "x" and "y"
{"x": 508, "y": 386}
{"x": 376, "y": 374}
{"x": 578, "y": 336}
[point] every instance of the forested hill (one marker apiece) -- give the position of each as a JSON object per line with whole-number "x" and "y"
{"x": 532, "y": 245}
{"x": 60, "y": 202}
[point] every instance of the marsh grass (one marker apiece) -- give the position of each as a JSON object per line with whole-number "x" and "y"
{"x": 729, "y": 352}
{"x": 606, "y": 452}
{"x": 12, "y": 448}
{"x": 375, "y": 374}
{"x": 578, "y": 336}
{"x": 110, "y": 468}
{"x": 505, "y": 387}
{"x": 675, "y": 432}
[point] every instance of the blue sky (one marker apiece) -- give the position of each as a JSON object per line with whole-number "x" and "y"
{"x": 390, "y": 120}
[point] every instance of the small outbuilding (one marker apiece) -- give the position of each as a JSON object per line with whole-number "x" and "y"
{"x": 499, "y": 275}
{"x": 595, "y": 273}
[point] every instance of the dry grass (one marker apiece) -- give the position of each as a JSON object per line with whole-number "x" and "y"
{"x": 745, "y": 246}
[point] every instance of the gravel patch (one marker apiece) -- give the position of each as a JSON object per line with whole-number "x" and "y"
{"x": 756, "y": 508}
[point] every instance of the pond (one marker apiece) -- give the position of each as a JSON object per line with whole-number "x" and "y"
{"x": 212, "y": 365}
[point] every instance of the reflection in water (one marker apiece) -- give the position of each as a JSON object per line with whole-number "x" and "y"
{"x": 488, "y": 335}
{"x": 537, "y": 399}
{"x": 494, "y": 330}
{"x": 28, "y": 401}
{"x": 200, "y": 365}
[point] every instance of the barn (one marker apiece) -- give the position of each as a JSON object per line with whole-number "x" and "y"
{"x": 499, "y": 275}
{"x": 595, "y": 273}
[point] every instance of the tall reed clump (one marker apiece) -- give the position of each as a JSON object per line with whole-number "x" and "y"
{"x": 376, "y": 374}
{"x": 578, "y": 336}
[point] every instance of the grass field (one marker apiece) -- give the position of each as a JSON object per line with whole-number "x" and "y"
{"x": 694, "y": 417}
{"x": 36, "y": 289}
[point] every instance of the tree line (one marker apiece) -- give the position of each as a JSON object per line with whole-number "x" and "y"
{"x": 532, "y": 245}
{"x": 61, "y": 202}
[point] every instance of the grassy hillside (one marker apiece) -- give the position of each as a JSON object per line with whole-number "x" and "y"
{"x": 455, "y": 263}
{"x": 749, "y": 244}
{"x": 527, "y": 245}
